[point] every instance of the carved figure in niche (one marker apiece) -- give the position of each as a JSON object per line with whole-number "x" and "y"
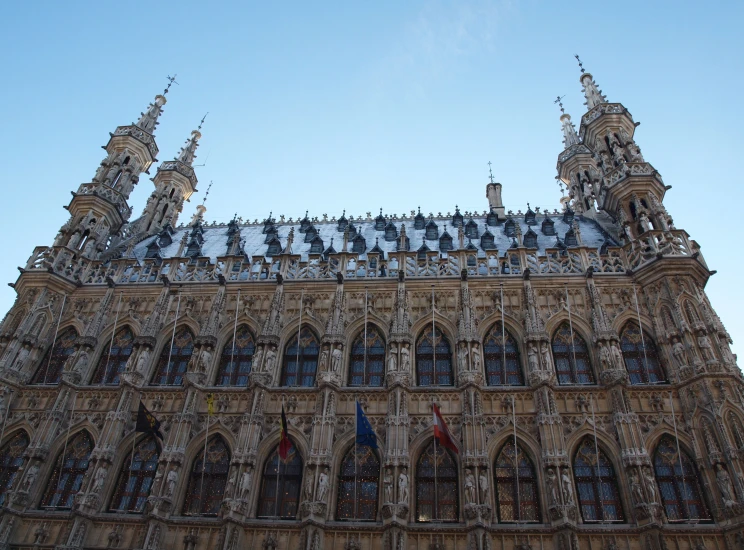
{"x": 257, "y": 359}
{"x": 476, "y": 358}
{"x": 553, "y": 486}
{"x": 547, "y": 360}
{"x": 706, "y": 348}
{"x": 231, "y": 481}
{"x": 2, "y": 404}
{"x": 270, "y": 359}
{"x": 393, "y": 359}
{"x": 82, "y": 362}
{"x": 99, "y": 171}
{"x": 99, "y": 478}
{"x": 388, "y": 482}
{"x": 568, "y": 497}
{"x": 678, "y": 350}
{"x": 462, "y": 357}
{"x": 31, "y": 475}
{"x": 323, "y": 362}
{"x": 605, "y": 357}
{"x": 483, "y": 482}
{"x": 635, "y": 489}
{"x": 403, "y": 487}
{"x": 728, "y": 357}
{"x": 309, "y": 484}
{"x": 724, "y": 485}
{"x": 144, "y": 355}
{"x": 336, "y": 356}
{"x": 650, "y": 485}
{"x": 90, "y": 247}
{"x": 617, "y": 356}
{"x": 245, "y": 485}
{"x": 643, "y": 220}
{"x": 323, "y": 485}
{"x": 469, "y": 487}
{"x": 23, "y": 354}
{"x": 74, "y": 240}
{"x": 532, "y": 358}
{"x": 205, "y": 360}
{"x": 171, "y": 479}
{"x": 405, "y": 358}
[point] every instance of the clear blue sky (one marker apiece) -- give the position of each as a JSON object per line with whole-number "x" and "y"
{"x": 350, "y": 105}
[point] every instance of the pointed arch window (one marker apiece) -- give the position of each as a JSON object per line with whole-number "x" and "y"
{"x": 174, "y": 359}
{"x": 50, "y": 370}
{"x": 11, "y": 463}
{"x": 503, "y": 367}
{"x": 679, "y": 484}
{"x": 358, "y": 484}
{"x": 433, "y": 346}
{"x": 640, "y": 356}
{"x": 571, "y": 357}
{"x": 208, "y": 479}
{"x": 436, "y": 495}
{"x": 596, "y": 485}
{"x": 237, "y": 358}
{"x": 283, "y": 478}
{"x": 516, "y": 486}
{"x": 114, "y": 359}
{"x": 301, "y": 360}
{"x": 69, "y": 471}
{"x": 737, "y": 431}
{"x": 367, "y": 365}
{"x": 136, "y": 477}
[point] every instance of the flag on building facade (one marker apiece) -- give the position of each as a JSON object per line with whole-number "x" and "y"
{"x": 284, "y": 443}
{"x": 147, "y": 423}
{"x": 441, "y": 432}
{"x": 365, "y": 435}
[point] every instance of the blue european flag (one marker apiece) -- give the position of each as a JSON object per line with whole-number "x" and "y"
{"x": 365, "y": 435}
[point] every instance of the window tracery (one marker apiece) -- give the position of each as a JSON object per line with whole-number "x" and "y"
{"x": 433, "y": 346}
{"x": 174, "y": 359}
{"x": 640, "y": 356}
{"x": 516, "y": 486}
{"x": 571, "y": 357}
{"x": 11, "y": 463}
{"x": 436, "y": 495}
{"x": 503, "y": 367}
{"x": 114, "y": 359}
{"x": 282, "y": 478}
{"x": 367, "y": 364}
{"x": 237, "y": 358}
{"x": 50, "y": 369}
{"x": 136, "y": 477}
{"x": 208, "y": 479}
{"x": 678, "y": 482}
{"x": 301, "y": 360}
{"x": 596, "y": 485}
{"x": 69, "y": 471}
{"x": 358, "y": 485}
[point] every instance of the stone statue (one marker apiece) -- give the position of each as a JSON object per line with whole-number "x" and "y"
{"x": 23, "y": 354}
{"x": 323, "y": 485}
{"x": 232, "y": 480}
{"x": 245, "y": 485}
{"x": 532, "y": 358}
{"x": 403, "y": 487}
{"x": 90, "y": 248}
{"x": 2, "y": 404}
{"x": 678, "y": 350}
{"x": 31, "y": 475}
{"x": 547, "y": 360}
{"x": 476, "y": 358}
{"x": 469, "y": 487}
{"x": 205, "y": 360}
{"x": 405, "y": 358}
{"x": 483, "y": 482}
{"x": 323, "y": 363}
{"x": 98, "y": 479}
{"x": 171, "y": 479}
{"x": 650, "y": 484}
{"x": 553, "y": 486}
{"x": 393, "y": 359}
{"x": 605, "y": 357}
{"x": 617, "y": 356}
{"x": 142, "y": 359}
{"x": 706, "y": 348}
{"x": 270, "y": 360}
{"x": 82, "y": 362}
{"x": 309, "y": 487}
{"x": 336, "y": 356}
{"x": 257, "y": 359}
{"x": 462, "y": 357}
{"x": 388, "y": 482}
{"x": 99, "y": 172}
{"x": 636, "y": 490}
{"x": 74, "y": 240}
{"x": 643, "y": 220}
{"x": 724, "y": 485}
{"x": 567, "y": 488}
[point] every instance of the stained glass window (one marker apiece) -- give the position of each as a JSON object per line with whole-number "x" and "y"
{"x": 50, "y": 369}
{"x": 502, "y": 362}
{"x": 571, "y": 357}
{"x": 11, "y": 462}
{"x": 358, "y": 484}
{"x": 286, "y": 484}
{"x": 516, "y": 486}
{"x": 136, "y": 477}
{"x": 114, "y": 359}
{"x": 301, "y": 363}
{"x": 640, "y": 356}
{"x": 436, "y": 496}
{"x": 237, "y": 358}
{"x": 68, "y": 473}
{"x": 428, "y": 351}
{"x": 367, "y": 365}
{"x": 174, "y": 359}
{"x": 678, "y": 483}
{"x": 596, "y": 485}
{"x": 208, "y": 479}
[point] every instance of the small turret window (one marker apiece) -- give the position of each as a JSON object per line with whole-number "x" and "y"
{"x": 530, "y": 239}
{"x": 548, "y": 227}
{"x": 570, "y": 238}
{"x": 487, "y": 241}
{"x": 432, "y": 231}
{"x": 445, "y": 242}
{"x": 419, "y": 221}
{"x": 471, "y": 230}
{"x": 359, "y": 245}
{"x": 316, "y": 246}
{"x": 509, "y": 228}
{"x": 391, "y": 232}
{"x": 457, "y": 219}
{"x": 492, "y": 219}
{"x": 380, "y": 222}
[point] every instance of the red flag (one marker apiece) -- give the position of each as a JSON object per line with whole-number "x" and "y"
{"x": 284, "y": 443}
{"x": 441, "y": 432}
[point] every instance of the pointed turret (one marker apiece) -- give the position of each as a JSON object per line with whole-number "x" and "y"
{"x": 149, "y": 119}
{"x": 570, "y": 137}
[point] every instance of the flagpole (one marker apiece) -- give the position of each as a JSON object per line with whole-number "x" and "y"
{"x": 67, "y": 438}
{"x": 235, "y": 332}
{"x": 364, "y": 365}
{"x": 299, "y": 331}
{"x": 436, "y": 496}
{"x": 131, "y": 466}
{"x": 204, "y": 460}
{"x": 516, "y": 458}
{"x": 279, "y": 463}
{"x": 433, "y": 342}
{"x": 356, "y": 432}
{"x": 54, "y": 340}
{"x": 111, "y": 345}
{"x": 173, "y": 337}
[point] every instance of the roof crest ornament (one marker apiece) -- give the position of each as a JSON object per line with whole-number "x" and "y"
{"x": 490, "y": 172}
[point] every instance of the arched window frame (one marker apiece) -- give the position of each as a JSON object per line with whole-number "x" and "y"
{"x": 445, "y": 507}
{"x": 114, "y": 358}
{"x": 289, "y": 485}
{"x": 498, "y": 373}
{"x": 236, "y": 360}
{"x": 640, "y": 356}
{"x": 174, "y": 360}
{"x": 307, "y": 356}
{"x": 11, "y": 462}
{"x": 206, "y": 487}
{"x": 367, "y": 369}
{"x": 674, "y": 482}
{"x": 573, "y": 364}
{"x": 597, "y": 489}
{"x": 68, "y": 473}
{"x": 50, "y": 369}
{"x": 506, "y": 483}
{"x": 736, "y": 428}
{"x": 426, "y": 373}
{"x": 136, "y": 477}
{"x": 361, "y": 467}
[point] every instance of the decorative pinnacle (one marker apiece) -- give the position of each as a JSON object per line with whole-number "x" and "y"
{"x": 581, "y": 65}
{"x": 559, "y": 102}
{"x": 490, "y": 172}
{"x": 206, "y": 195}
{"x": 171, "y": 81}
{"x": 202, "y": 121}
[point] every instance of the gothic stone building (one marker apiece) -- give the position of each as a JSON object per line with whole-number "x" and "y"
{"x": 588, "y": 383}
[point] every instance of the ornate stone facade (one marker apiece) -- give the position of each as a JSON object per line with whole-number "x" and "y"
{"x": 577, "y": 345}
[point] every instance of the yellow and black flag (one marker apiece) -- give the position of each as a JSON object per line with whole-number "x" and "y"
{"x": 147, "y": 423}
{"x": 284, "y": 443}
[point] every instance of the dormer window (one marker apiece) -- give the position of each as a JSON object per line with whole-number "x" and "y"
{"x": 421, "y": 252}
{"x": 492, "y": 220}
{"x": 509, "y": 228}
{"x": 310, "y": 234}
{"x": 487, "y": 241}
{"x": 445, "y": 242}
{"x": 419, "y": 221}
{"x": 432, "y": 231}
{"x": 380, "y": 222}
{"x": 570, "y": 238}
{"x": 406, "y": 244}
{"x": 548, "y": 227}
{"x": 275, "y": 247}
{"x": 457, "y": 218}
{"x": 471, "y": 230}
{"x": 568, "y": 216}
{"x": 316, "y": 245}
{"x": 305, "y": 224}
{"x": 343, "y": 223}
{"x": 391, "y": 232}
{"x": 530, "y": 239}
{"x": 529, "y": 216}
{"x": 359, "y": 245}
{"x": 352, "y": 231}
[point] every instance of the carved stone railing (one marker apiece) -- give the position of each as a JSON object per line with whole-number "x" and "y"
{"x": 139, "y": 134}
{"x": 657, "y": 244}
{"x": 180, "y": 167}
{"x": 108, "y": 193}
{"x": 599, "y": 110}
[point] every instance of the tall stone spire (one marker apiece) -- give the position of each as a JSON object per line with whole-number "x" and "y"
{"x": 149, "y": 119}
{"x": 592, "y": 93}
{"x": 188, "y": 151}
{"x": 570, "y": 137}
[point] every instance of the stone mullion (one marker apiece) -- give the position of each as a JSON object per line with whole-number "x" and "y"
{"x": 319, "y": 462}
